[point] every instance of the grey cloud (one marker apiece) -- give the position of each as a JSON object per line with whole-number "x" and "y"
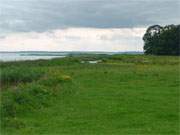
{"x": 43, "y": 15}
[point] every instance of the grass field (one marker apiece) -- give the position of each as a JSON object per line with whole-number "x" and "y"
{"x": 121, "y": 95}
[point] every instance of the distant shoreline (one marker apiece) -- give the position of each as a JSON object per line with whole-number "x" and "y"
{"x": 42, "y": 55}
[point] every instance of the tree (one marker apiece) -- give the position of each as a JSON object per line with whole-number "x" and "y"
{"x": 160, "y": 40}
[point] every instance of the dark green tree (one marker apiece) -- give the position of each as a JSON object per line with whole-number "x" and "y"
{"x": 160, "y": 40}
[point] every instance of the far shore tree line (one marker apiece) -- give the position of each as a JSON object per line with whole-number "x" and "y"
{"x": 160, "y": 40}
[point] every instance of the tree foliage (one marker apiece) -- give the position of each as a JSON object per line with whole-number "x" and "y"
{"x": 160, "y": 40}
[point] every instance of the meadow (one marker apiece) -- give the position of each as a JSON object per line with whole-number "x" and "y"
{"x": 119, "y": 95}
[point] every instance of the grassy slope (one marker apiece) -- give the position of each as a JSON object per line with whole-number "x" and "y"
{"x": 121, "y": 95}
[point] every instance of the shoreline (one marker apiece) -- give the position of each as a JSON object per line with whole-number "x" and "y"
{"x": 32, "y": 55}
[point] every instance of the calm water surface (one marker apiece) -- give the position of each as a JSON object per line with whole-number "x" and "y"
{"x": 17, "y": 56}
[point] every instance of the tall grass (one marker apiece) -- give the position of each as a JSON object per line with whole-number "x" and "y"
{"x": 34, "y": 91}
{"x": 15, "y": 75}
{"x": 26, "y": 98}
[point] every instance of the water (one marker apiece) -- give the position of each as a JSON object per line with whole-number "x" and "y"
{"x": 92, "y": 61}
{"x": 20, "y": 56}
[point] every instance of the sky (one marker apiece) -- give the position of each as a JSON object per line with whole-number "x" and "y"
{"x": 81, "y": 25}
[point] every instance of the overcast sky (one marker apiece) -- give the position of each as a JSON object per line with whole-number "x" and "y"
{"x": 94, "y": 25}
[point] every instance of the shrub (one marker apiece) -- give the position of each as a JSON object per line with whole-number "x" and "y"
{"x": 65, "y": 78}
{"x": 24, "y": 99}
{"x": 16, "y": 75}
{"x": 54, "y": 80}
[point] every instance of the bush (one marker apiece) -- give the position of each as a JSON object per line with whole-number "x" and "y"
{"x": 54, "y": 80}
{"x": 16, "y": 75}
{"x": 24, "y": 99}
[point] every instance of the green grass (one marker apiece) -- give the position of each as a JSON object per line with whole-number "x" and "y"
{"x": 122, "y": 95}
